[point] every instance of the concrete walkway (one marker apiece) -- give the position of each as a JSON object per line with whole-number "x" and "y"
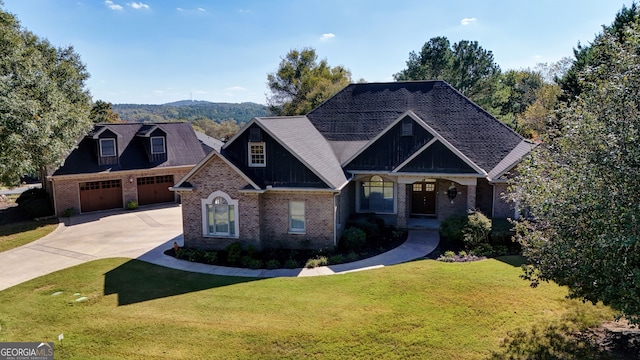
{"x": 145, "y": 234}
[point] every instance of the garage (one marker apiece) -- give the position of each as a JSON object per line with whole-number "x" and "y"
{"x": 100, "y": 195}
{"x": 155, "y": 189}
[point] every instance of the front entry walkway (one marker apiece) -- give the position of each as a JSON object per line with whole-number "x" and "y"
{"x": 145, "y": 234}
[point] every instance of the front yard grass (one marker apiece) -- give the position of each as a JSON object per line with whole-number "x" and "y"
{"x": 17, "y": 234}
{"x": 129, "y": 309}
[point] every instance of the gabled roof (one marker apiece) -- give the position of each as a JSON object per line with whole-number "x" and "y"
{"x": 182, "y": 146}
{"x": 302, "y": 140}
{"x": 511, "y": 160}
{"x": 183, "y": 184}
{"x": 360, "y": 112}
{"x": 209, "y": 143}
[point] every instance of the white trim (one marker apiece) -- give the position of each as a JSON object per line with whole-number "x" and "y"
{"x": 115, "y": 147}
{"x": 206, "y": 159}
{"x": 304, "y": 215}
{"x": 239, "y": 133}
{"x": 250, "y": 154}
{"x": 121, "y": 172}
{"x": 205, "y": 214}
{"x": 414, "y": 155}
{"x": 164, "y": 145}
{"x": 380, "y": 134}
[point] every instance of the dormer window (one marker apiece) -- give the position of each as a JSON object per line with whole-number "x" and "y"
{"x": 257, "y": 156}
{"x": 107, "y": 147}
{"x": 157, "y": 145}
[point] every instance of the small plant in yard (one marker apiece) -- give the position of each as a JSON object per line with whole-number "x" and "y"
{"x": 353, "y": 238}
{"x": 132, "y": 205}
{"x": 316, "y": 262}
{"x": 273, "y": 264}
{"x": 448, "y": 256}
{"x": 68, "y": 212}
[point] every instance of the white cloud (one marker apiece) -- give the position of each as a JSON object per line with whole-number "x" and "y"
{"x": 138, "y": 5}
{"x": 236, "y": 88}
{"x": 180, "y": 9}
{"x": 113, "y": 6}
{"x": 467, "y": 21}
{"x": 201, "y": 9}
{"x": 326, "y": 37}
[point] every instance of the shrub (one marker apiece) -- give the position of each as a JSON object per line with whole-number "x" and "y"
{"x": 68, "y": 212}
{"x": 273, "y": 264}
{"x": 476, "y": 230}
{"x": 449, "y": 256}
{"x": 254, "y": 263}
{"x": 316, "y": 262}
{"x": 30, "y": 194}
{"x": 483, "y": 250}
{"x": 353, "y": 238}
{"x": 211, "y": 257}
{"x": 462, "y": 253}
{"x": 132, "y": 205}
{"x": 336, "y": 259}
{"x": 352, "y": 256}
{"x": 451, "y": 228}
{"x": 234, "y": 253}
{"x": 291, "y": 264}
{"x": 36, "y": 207}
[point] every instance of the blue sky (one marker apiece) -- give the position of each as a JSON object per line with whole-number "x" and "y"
{"x": 159, "y": 51}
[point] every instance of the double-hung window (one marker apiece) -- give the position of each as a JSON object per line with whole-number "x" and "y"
{"x": 297, "y": 223}
{"x": 107, "y": 147}
{"x": 157, "y": 145}
{"x": 257, "y": 156}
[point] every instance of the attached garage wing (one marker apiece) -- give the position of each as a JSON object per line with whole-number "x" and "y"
{"x": 100, "y": 195}
{"x": 155, "y": 189}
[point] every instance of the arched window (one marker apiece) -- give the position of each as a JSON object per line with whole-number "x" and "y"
{"x": 376, "y": 195}
{"x": 219, "y": 215}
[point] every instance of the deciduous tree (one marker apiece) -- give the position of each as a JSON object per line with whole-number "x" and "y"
{"x": 302, "y": 83}
{"x": 44, "y": 106}
{"x": 581, "y": 187}
{"x": 102, "y": 112}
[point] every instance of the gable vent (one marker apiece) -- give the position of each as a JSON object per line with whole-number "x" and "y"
{"x": 255, "y": 134}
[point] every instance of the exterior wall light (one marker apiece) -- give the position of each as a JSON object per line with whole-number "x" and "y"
{"x": 452, "y": 192}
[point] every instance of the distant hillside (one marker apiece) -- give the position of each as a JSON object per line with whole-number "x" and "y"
{"x": 191, "y": 111}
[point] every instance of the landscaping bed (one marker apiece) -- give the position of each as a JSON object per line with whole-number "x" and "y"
{"x": 366, "y": 236}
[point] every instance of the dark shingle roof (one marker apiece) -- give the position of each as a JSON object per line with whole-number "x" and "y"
{"x": 182, "y": 146}
{"x": 361, "y": 111}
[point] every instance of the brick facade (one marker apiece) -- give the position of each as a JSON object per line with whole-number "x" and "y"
{"x": 446, "y": 207}
{"x": 501, "y": 207}
{"x": 66, "y": 189}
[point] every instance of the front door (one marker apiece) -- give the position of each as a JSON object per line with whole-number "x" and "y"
{"x": 423, "y": 198}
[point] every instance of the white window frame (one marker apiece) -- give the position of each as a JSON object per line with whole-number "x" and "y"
{"x": 164, "y": 145}
{"x": 293, "y": 230}
{"x": 250, "y": 154}
{"x": 205, "y": 215}
{"x": 115, "y": 149}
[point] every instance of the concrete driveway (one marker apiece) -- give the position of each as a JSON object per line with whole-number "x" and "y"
{"x": 92, "y": 236}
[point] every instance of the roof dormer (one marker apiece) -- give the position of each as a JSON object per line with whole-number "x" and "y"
{"x": 155, "y": 142}
{"x": 105, "y": 145}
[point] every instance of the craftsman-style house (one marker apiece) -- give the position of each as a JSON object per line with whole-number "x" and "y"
{"x": 401, "y": 150}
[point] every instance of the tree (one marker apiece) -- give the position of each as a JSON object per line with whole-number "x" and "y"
{"x": 223, "y": 130}
{"x": 516, "y": 91}
{"x": 581, "y": 187}
{"x": 302, "y": 83}
{"x": 102, "y": 112}
{"x": 584, "y": 57}
{"x": 465, "y": 65}
{"x": 44, "y": 106}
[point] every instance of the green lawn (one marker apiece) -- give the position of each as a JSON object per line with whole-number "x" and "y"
{"x": 17, "y": 234}
{"x": 423, "y": 309}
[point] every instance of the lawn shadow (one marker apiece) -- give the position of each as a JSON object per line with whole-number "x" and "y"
{"x": 513, "y": 260}
{"x": 138, "y": 281}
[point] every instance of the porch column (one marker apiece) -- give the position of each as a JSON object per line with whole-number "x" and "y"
{"x": 471, "y": 197}
{"x": 402, "y": 205}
